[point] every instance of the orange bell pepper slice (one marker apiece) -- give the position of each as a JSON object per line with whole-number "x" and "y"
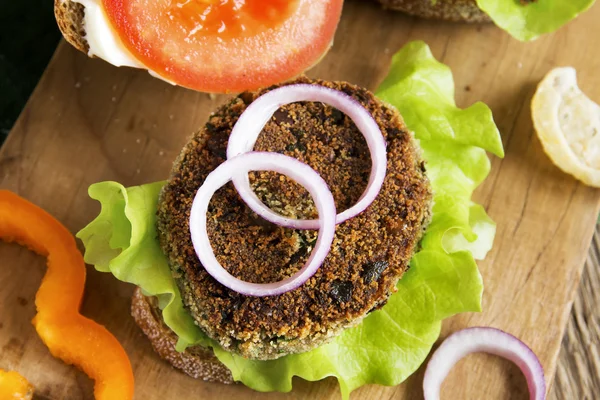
{"x": 14, "y": 387}
{"x": 69, "y": 335}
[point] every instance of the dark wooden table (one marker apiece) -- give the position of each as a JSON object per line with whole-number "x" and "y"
{"x": 578, "y": 372}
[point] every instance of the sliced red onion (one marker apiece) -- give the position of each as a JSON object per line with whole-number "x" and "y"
{"x": 253, "y": 119}
{"x": 488, "y": 340}
{"x": 260, "y": 161}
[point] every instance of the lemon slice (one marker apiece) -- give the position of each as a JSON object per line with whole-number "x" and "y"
{"x": 568, "y": 125}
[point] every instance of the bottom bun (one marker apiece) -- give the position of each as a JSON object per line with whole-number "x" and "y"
{"x": 198, "y": 362}
{"x": 449, "y": 10}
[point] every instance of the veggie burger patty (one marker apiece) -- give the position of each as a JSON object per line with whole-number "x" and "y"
{"x": 369, "y": 254}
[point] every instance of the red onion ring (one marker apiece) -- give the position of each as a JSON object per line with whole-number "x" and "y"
{"x": 248, "y": 127}
{"x": 253, "y": 161}
{"x": 488, "y": 340}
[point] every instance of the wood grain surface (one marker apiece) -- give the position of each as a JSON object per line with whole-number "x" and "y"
{"x": 88, "y": 121}
{"x": 578, "y": 373}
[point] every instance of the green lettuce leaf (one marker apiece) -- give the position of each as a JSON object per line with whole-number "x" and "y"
{"x": 536, "y": 17}
{"x": 123, "y": 240}
{"x": 391, "y": 343}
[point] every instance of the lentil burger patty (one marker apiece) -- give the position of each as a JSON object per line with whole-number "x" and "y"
{"x": 369, "y": 254}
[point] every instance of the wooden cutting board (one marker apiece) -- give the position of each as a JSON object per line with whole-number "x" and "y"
{"x": 88, "y": 121}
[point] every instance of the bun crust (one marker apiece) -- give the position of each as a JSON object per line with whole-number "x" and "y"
{"x": 449, "y": 10}
{"x": 69, "y": 16}
{"x": 198, "y": 362}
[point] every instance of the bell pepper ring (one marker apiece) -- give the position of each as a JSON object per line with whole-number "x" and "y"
{"x": 69, "y": 335}
{"x": 14, "y": 387}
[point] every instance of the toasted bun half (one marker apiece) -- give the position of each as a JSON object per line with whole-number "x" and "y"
{"x": 449, "y": 10}
{"x": 69, "y": 16}
{"x": 198, "y": 362}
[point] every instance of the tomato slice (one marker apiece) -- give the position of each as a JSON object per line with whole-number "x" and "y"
{"x": 225, "y": 45}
